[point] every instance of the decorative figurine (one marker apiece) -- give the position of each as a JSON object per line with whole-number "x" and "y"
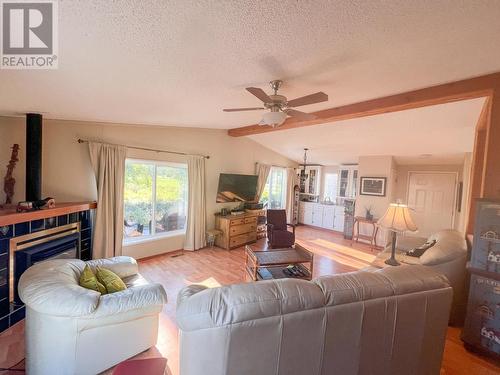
{"x": 10, "y": 181}
{"x": 36, "y": 205}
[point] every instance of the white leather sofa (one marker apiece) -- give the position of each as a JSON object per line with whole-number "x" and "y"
{"x": 73, "y": 330}
{"x": 391, "y": 321}
{"x": 448, "y": 256}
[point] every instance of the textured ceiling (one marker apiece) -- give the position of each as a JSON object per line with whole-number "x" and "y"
{"x": 180, "y": 62}
{"x": 440, "y": 134}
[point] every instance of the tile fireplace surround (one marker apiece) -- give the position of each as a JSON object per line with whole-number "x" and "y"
{"x": 19, "y": 230}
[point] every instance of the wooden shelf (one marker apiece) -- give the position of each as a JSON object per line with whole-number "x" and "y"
{"x": 9, "y": 215}
{"x": 270, "y": 273}
{"x": 483, "y": 273}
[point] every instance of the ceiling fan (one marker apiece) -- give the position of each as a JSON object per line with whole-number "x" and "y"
{"x": 280, "y": 106}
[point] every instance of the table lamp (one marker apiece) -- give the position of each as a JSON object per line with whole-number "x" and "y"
{"x": 396, "y": 219}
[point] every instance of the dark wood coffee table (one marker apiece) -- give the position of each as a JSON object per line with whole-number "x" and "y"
{"x": 263, "y": 265}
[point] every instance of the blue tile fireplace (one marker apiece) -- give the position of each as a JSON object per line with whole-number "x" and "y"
{"x": 33, "y": 237}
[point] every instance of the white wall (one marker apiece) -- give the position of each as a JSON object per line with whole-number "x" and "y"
{"x": 376, "y": 166}
{"x": 67, "y": 174}
{"x": 10, "y": 133}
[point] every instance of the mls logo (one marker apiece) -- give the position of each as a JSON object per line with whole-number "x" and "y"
{"x": 29, "y": 34}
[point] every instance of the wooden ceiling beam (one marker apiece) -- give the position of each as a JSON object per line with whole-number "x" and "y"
{"x": 472, "y": 88}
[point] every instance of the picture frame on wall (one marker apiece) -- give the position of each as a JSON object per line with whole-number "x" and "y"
{"x": 375, "y": 186}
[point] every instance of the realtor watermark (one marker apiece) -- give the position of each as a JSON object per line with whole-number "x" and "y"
{"x": 29, "y": 37}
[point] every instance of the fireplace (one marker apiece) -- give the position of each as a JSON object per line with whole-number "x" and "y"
{"x": 27, "y": 250}
{"x": 27, "y": 238}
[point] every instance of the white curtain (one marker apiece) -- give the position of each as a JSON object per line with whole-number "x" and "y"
{"x": 196, "y": 222}
{"x": 290, "y": 194}
{"x": 262, "y": 170}
{"x": 108, "y": 162}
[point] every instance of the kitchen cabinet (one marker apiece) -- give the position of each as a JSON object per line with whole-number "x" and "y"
{"x": 301, "y": 214}
{"x": 322, "y": 215}
{"x": 311, "y": 184}
{"x": 338, "y": 224}
{"x": 317, "y": 218}
{"x": 308, "y": 214}
{"x": 328, "y": 217}
{"x": 313, "y": 181}
{"x": 348, "y": 183}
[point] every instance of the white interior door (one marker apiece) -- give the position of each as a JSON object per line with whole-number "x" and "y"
{"x": 432, "y": 197}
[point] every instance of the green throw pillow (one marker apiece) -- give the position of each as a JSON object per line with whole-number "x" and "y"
{"x": 89, "y": 281}
{"x": 110, "y": 280}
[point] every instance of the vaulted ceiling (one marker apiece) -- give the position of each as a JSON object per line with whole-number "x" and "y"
{"x": 180, "y": 62}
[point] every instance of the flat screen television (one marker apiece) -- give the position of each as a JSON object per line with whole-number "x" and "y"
{"x": 236, "y": 188}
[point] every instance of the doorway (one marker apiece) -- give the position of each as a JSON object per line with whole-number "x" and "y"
{"x": 432, "y": 196}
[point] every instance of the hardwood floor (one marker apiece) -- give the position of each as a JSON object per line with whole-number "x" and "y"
{"x": 214, "y": 267}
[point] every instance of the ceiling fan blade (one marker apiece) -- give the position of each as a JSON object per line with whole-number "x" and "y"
{"x": 259, "y": 93}
{"x": 308, "y": 99}
{"x": 300, "y": 115}
{"x": 242, "y": 109}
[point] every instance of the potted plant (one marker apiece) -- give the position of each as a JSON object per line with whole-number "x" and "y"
{"x": 368, "y": 214}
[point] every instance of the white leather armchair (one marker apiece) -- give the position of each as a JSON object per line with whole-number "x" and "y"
{"x": 73, "y": 330}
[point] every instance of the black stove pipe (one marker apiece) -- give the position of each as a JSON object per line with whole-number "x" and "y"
{"x": 33, "y": 156}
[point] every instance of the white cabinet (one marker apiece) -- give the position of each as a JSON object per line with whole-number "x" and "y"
{"x": 328, "y": 217}
{"x": 348, "y": 183}
{"x": 311, "y": 184}
{"x": 339, "y": 218}
{"x": 307, "y": 213}
{"x": 339, "y": 223}
{"x": 301, "y": 215}
{"x": 308, "y": 216}
{"x": 313, "y": 181}
{"x": 321, "y": 215}
{"x": 317, "y": 218}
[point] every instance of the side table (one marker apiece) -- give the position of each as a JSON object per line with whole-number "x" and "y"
{"x": 373, "y": 237}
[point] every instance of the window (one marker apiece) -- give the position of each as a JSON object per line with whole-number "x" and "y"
{"x": 155, "y": 199}
{"x": 330, "y": 187}
{"x": 274, "y": 194}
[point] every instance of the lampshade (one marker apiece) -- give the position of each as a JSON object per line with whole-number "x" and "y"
{"x": 274, "y": 118}
{"x": 397, "y": 218}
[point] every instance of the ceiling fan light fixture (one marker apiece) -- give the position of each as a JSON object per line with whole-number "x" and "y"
{"x": 280, "y": 106}
{"x": 274, "y": 118}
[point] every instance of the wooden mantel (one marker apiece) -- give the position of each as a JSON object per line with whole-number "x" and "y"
{"x": 9, "y": 216}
